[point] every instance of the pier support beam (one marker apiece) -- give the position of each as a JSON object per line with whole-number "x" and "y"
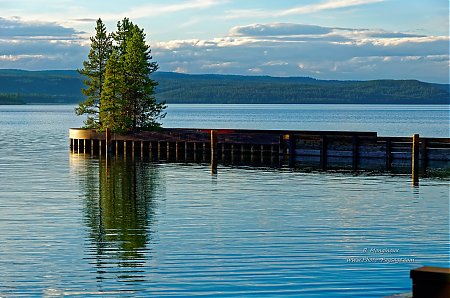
{"x": 323, "y": 152}
{"x": 108, "y": 141}
{"x": 291, "y": 150}
{"x": 214, "y": 152}
{"x": 388, "y": 155}
{"x": 415, "y": 159}
{"x": 423, "y": 155}
{"x": 355, "y": 154}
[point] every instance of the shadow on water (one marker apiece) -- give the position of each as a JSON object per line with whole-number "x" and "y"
{"x": 119, "y": 204}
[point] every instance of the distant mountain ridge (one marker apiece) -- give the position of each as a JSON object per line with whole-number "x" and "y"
{"x": 64, "y": 86}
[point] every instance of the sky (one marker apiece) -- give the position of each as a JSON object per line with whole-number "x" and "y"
{"x": 324, "y": 39}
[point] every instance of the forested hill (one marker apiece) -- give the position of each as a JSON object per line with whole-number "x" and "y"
{"x": 18, "y": 86}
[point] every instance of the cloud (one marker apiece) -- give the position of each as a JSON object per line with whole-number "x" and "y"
{"x": 277, "y": 49}
{"x": 297, "y": 10}
{"x": 40, "y": 45}
{"x": 327, "y": 5}
{"x": 283, "y": 49}
{"x": 87, "y": 20}
{"x": 158, "y": 10}
{"x": 277, "y": 29}
{"x": 16, "y": 28}
{"x": 72, "y": 13}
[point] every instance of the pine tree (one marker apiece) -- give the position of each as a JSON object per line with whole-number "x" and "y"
{"x": 94, "y": 71}
{"x": 121, "y": 94}
{"x": 111, "y": 102}
{"x": 140, "y": 107}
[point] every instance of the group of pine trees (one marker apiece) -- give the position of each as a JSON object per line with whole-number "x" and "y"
{"x": 119, "y": 91}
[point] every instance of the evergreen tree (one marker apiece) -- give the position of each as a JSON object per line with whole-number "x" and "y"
{"x": 111, "y": 102}
{"x": 119, "y": 88}
{"x": 94, "y": 71}
{"x": 122, "y": 35}
{"x": 142, "y": 108}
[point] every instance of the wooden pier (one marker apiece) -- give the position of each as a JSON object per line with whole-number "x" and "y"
{"x": 323, "y": 150}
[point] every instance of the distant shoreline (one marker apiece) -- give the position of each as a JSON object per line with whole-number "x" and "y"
{"x": 64, "y": 87}
{"x": 256, "y": 104}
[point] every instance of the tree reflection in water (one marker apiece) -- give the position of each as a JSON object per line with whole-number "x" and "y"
{"x": 119, "y": 203}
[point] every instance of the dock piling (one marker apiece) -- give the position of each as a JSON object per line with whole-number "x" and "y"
{"x": 291, "y": 150}
{"x": 388, "y": 155}
{"x": 415, "y": 159}
{"x": 214, "y": 152}
{"x": 323, "y": 152}
{"x": 108, "y": 141}
{"x": 355, "y": 153}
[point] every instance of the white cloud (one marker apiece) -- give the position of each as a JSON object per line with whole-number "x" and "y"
{"x": 155, "y": 10}
{"x": 278, "y": 49}
{"x": 278, "y": 29}
{"x": 303, "y": 50}
{"x": 297, "y": 10}
{"x": 14, "y": 58}
{"x": 221, "y": 65}
{"x": 327, "y": 5}
{"x": 40, "y": 45}
{"x": 15, "y": 28}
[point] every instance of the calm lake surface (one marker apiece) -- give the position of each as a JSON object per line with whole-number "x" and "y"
{"x": 75, "y": 225}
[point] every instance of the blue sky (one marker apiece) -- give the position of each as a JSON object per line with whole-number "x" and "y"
{"x": 326, "y": 39}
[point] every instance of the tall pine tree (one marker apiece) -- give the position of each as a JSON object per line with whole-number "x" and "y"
{"x": 121, "y": 94}
{"x": 111, "y": 103}
{"x": 94, "y": 71}
{"x": 144, "y": 110}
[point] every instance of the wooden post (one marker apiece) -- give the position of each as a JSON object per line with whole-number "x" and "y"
{"x": 223, "y": 151}
{"x": 203, "y": 151}
{"x": 159, "y": 151}
{"x": 415, "y": 159}
{"x": 273, "y": 153}
{"x": 233, "y": 154}
{"x": 291, "y": 150}
{"x": 323, "y": 152}
{"x": 186, "y": 151}
{"x": 262, "y": 154}
{"x": 108, "y": 140}
{"x": 168, "y": 151}
{"x": 424, "y": 154}
{"x": 355, "y": 155}
{"x": 213, "y": 152}
{"x": 388, "y": 155}
{"x": 150, "y": 150}
{"x": 78, "y": 146}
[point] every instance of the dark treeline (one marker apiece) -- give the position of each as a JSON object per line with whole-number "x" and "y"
{"x": 10, "y": 99}
{"x": 65, "y": 87}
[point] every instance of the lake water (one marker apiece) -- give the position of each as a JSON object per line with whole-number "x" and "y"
{"x": 75, "y": 225}
{"x": 387, "y": 120}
